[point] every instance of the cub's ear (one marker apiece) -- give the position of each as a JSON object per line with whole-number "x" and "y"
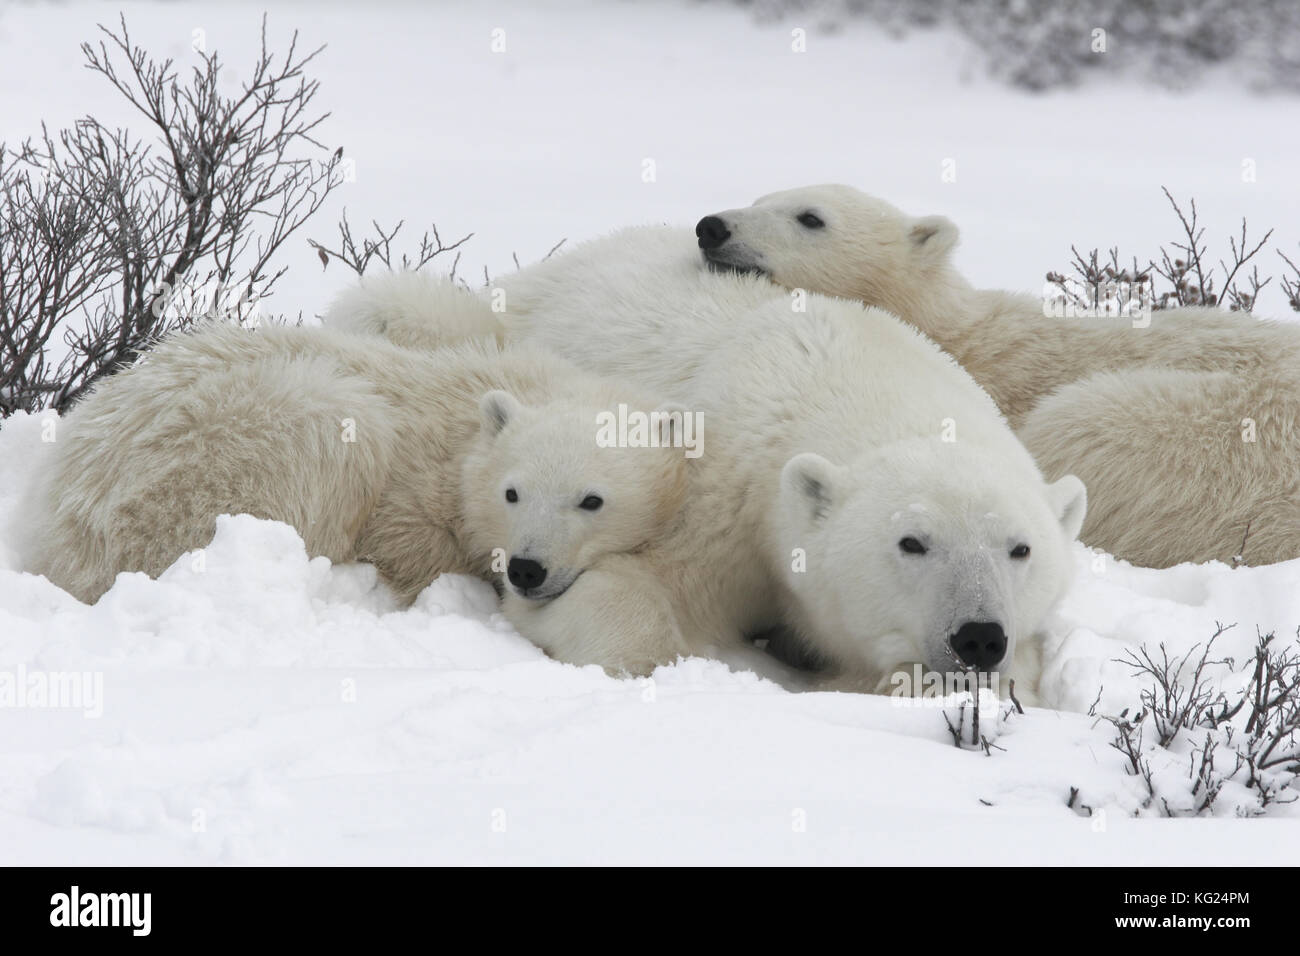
{"x": 1069, "y": 501}
{"x": 933, "y": 237}
{"x": 809, "y": 485}
{"x": 498, "y": 408}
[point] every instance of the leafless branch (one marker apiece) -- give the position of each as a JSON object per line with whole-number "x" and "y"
{"x": 358, "y": 256}
{"x": 1291, "y": 282}
{"x": 1096, "y": 283}
{"x": 1257, "y": 729}
{"x": 108, "y": 242}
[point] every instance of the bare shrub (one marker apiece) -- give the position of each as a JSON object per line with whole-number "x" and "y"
{"x": 108, "y": 241}
{"x": 359, "y": 256}
{"x": 1249, "y": 738}
{"x": 1041, "y": 46}
{"x": 1184, "y": 274}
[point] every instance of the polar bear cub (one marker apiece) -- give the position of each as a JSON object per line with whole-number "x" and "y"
{"x": 372, "y": 452}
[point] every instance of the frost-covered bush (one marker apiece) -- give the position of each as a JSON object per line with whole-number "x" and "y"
{"x": 1184, "y": 274}
{"x": 1195, "y": 749}
{"x": 1037, "y": 45}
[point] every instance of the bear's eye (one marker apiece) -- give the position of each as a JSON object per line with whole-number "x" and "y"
{"x": 591, "y": 503}
{"x": 911, "y": 546}
{"x": 809, "y": 219}
{"x": 511, "y": 495}
{"x": 1020, "y": 551}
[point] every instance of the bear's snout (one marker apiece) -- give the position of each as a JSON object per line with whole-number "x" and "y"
{"x": 979, "y": 644}
{"x": 712, "y": 232}
{"x": 525, "y": 573}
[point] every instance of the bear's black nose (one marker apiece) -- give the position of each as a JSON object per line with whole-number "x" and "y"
{"x": 525, "y": 573}
{"x": 712, "y": 231}
{"x": 981, "y": 644}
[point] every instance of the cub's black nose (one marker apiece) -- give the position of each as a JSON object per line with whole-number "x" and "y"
{"x": 712, "y": 232}
{"x": 980, "y": 644}
{"x": 525, "y": 573}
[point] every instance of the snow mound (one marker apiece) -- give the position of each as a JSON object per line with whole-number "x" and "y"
{"x": 258, "y": 706}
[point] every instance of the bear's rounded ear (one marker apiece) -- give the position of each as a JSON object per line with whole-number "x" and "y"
{"x": 498, "y": 408}
{"x": 1069, "y": 500}
{"x": 933, "y": 237}
{"x": 809, "y": 485}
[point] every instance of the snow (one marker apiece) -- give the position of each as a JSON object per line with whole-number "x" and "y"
{"x": 261, "y": 707}
{"x": 546, "y": 141}
{"x": 286, "y": 709}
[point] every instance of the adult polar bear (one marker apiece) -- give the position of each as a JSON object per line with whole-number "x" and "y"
{"x": 1186, "y": 433}
{"x": 848, "y": 517}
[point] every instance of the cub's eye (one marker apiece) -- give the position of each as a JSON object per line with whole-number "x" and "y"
{"x": 511, "y": 495}
{"x": 911, "y": 546}
{"x": 592, "y": 503}
{"x": 811, "y": 220}
{"x": 1020, "y": 551}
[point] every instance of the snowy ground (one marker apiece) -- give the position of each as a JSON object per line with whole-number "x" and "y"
{"x": 263, "y": 708}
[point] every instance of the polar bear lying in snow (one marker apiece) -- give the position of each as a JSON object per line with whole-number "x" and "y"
{"x": 867, "y": 493}
{"x": 372, "y": 452}
{"x": 1186, "y": 432}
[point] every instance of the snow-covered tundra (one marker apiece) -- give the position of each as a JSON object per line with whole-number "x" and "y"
{"x": 1186, "y": 431}
{"x": 873, "y": 500}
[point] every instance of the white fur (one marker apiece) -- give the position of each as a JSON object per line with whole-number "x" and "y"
{"x": 871, "y": 398}
{"x": 1152, "y": 419}
{"x": 371, "y": 451}
{"x": 414, "y": 309}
